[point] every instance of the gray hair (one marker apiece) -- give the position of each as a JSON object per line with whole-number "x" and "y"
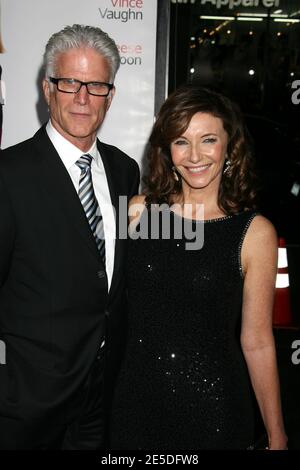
{"x": 77, "y": 36}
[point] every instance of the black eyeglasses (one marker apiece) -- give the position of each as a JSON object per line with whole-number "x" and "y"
{"x": 70, "y": 85}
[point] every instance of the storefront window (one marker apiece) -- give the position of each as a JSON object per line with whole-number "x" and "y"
{"x": 250, "y": 50}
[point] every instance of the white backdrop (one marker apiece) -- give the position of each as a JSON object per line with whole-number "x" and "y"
{"x": 26, "y": 27}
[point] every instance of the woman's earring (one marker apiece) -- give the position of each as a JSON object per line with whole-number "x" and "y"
{"x": 175, "y": 174}
{"x": 226, "y": 166}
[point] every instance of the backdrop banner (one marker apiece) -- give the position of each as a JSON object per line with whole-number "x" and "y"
{"x": 27, "y": 26}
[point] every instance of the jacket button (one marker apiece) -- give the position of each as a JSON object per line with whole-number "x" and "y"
{"x": 101, "y": 274}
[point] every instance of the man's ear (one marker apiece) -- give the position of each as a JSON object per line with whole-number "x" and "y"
{"x": 46, "y": 90}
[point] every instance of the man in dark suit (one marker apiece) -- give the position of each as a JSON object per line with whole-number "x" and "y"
{"x": 61, "y": 261}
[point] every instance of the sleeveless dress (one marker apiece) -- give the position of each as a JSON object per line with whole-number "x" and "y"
{"x": 183, "y": 382}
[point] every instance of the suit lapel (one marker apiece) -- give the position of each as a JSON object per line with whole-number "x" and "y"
{"x": 114, "y": 195}
{"x": 59, "y": 189}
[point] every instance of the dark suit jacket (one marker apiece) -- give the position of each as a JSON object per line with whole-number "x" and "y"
{"x": 54, "y": 306}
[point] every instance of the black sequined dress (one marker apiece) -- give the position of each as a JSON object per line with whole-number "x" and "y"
{"x": 183, "y": 383}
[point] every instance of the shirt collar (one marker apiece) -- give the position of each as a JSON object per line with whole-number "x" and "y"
{"x": 68, "y": 152}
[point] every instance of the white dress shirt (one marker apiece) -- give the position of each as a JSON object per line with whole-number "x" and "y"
{"x": 69, "y": 155}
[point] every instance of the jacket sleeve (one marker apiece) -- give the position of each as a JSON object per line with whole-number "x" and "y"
{"x": 134, "y": 189}
{"x": 7, "y": 232}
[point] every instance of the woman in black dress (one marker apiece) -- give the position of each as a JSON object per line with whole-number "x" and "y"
{"x": 200, "y": 309}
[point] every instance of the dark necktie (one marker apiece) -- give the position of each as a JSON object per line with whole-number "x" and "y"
{"x": 89, "y": 202}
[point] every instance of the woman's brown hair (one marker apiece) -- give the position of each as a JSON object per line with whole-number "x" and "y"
{"x": 237, "y": 188}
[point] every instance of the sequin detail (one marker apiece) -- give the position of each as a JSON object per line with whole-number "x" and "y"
{"x": 183, "y": 383}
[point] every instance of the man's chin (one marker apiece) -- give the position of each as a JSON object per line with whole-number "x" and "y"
{"x": 80, "y": 132}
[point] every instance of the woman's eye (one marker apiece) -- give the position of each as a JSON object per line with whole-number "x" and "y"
{"x": 180, "y": 142}
{"x": 210, "y": 140}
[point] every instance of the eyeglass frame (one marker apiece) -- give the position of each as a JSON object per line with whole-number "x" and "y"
{"x": 56, "y": 81}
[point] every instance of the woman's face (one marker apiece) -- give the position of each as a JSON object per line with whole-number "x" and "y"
{"x": 199, "y": 153}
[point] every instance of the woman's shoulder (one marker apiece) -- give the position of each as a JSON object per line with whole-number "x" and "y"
{"x": 260, "y": 245}
{"x": 137, "y": 199}
{"x": 261, "y": 228}
{"x": 136, "y": 207}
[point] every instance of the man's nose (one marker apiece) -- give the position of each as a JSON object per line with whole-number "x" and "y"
{"x": 82, "y": 95}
